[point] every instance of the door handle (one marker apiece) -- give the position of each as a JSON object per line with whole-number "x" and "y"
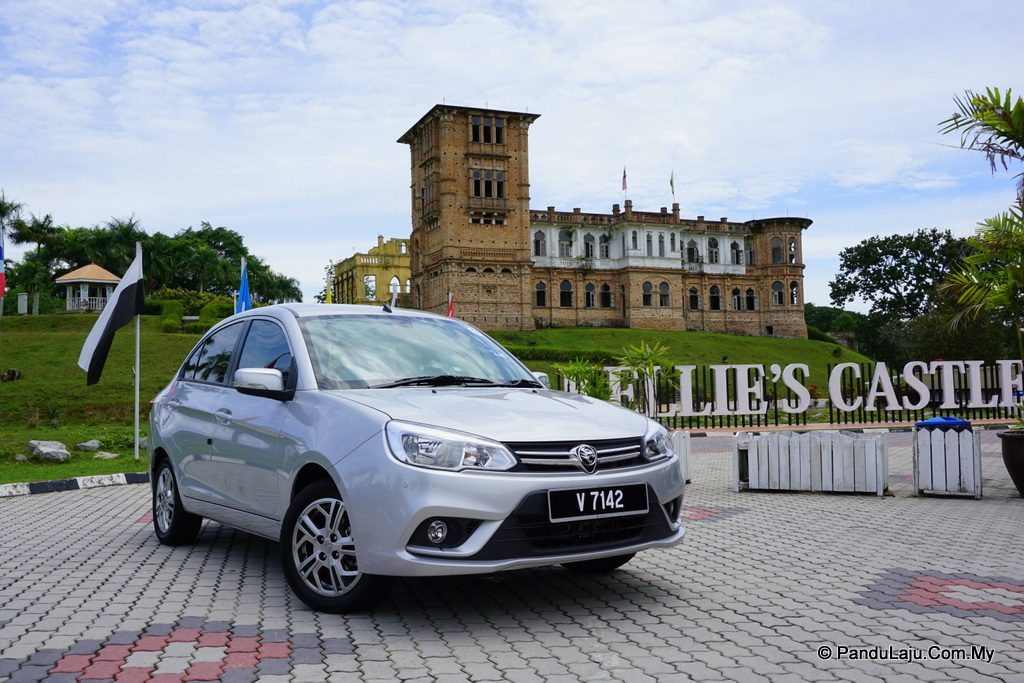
{"x": 223, "y": 416}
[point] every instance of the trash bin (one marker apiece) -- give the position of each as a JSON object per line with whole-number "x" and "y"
{"x": 947, "y": 458}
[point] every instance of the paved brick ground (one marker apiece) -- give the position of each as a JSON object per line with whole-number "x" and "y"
{"x": 763, "y": 582}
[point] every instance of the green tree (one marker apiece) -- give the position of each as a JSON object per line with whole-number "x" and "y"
{"x": 897, "y": 274}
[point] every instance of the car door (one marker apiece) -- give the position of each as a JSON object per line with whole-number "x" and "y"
{"x": 246, "y": 449}
{"x": 198, "y": 396}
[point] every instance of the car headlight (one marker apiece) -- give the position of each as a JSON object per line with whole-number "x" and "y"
{"x": 444, "y": 449}
{"x": 657, "y": 444}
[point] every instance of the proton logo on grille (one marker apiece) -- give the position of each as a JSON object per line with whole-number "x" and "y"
{"x": 586, "y": 456}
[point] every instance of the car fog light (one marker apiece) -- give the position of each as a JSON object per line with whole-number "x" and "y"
{"x": 437, "y": 532}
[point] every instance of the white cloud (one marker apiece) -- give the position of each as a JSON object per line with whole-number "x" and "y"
{"x": 281, "y": 117}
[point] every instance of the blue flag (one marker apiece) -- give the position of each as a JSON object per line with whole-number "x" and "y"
{"x": 244, "y": 301}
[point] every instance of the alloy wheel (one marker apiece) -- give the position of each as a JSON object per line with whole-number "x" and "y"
{"x": 323, "y": 550}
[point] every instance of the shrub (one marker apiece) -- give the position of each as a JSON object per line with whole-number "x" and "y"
{"x": 192, "y": 302}
{"x": 817, "y": 335}
{"x": 590, "y": 379}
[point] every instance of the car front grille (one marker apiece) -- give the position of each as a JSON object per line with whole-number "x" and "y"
{"x": 529, "y": 532}
{"x": 556, "y": 456}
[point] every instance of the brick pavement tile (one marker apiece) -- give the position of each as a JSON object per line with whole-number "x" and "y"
{"x": 243, "y": 644}
{"x": 238, "y": 676}
{"x": 384, "y": 670}
{"x": 337, "y": 646}
{"x": 204, "y": 671}
{"x": 28, "y": 673}
{"x": 309, "y": 672}
{"x": 274, "y": 667}
{"x": 61, "y": 678}
{"x": 274, "y": 650}
{"x": 70, "y": 664}
{"x": 219, "y": 639}
{"x": 342, "y": 663}
{"x": 150, "y": 644}
{"x": 101, "y": 670}
{"x": 133, "y": 675}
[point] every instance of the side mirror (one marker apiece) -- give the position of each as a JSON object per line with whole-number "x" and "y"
{"x": 267, "y": 382}
{"x": 542, "y": 377}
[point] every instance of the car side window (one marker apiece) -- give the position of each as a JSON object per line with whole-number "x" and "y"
{"x": 210, "y": 362}
{"x": 266, "y": 347}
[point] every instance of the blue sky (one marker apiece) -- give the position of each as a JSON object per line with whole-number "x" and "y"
{"x": 278, "y": 119}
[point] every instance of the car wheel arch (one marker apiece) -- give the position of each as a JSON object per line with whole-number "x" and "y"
{"x": 310, "y": 473}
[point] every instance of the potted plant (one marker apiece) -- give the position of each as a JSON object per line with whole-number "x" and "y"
{"x": 1013, "y": 450}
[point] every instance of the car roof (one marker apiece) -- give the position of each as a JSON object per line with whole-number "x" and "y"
{"x": 299, "y": 310}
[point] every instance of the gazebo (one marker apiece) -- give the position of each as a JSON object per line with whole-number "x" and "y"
{"x": 89, "y": 287}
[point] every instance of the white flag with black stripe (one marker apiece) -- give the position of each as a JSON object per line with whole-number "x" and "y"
{"x": 126, "y": 302}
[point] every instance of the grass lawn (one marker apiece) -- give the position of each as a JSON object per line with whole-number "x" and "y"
{"x": 51, "y": 401}
{"x": 689, "y": 348}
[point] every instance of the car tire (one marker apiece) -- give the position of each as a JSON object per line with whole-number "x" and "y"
{"x": 174, "y": 525}
{"x": 318, "y": 554}
{"x": 602, "y": 565}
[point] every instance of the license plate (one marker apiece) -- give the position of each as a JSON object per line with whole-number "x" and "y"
{"x": 605, "y": 501}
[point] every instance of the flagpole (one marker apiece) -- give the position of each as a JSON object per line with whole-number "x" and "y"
{"x": 138, "y": 327}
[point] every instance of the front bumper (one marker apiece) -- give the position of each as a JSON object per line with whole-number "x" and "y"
{"x": 389, "y": 501}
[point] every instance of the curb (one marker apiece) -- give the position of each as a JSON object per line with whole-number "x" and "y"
{"x": 75, "y": 484}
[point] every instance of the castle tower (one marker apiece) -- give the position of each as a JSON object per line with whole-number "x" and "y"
{"x": 470, "y": 197}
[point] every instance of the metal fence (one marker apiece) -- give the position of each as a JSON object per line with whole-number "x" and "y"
{"x": 665, "y": 403}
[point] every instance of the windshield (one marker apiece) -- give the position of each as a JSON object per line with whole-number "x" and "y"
{"x": 361, "y": 351}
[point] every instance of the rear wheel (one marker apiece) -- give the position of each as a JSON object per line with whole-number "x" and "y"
{"x": 174, "y": 525}
{"x": 318, "y": 554}
{"x": 601, "y": 565}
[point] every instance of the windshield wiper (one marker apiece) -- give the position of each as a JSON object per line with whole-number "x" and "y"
{"x": 530, "y": 383}
{"x": 435, "y": 381}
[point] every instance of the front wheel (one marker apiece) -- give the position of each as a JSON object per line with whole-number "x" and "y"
{"x": 318, "y": 554}
{"x": 174, "y": 525}
{"x": 601, "y": 565}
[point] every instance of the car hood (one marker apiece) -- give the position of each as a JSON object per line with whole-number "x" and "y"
{"x": 505, "y": 414}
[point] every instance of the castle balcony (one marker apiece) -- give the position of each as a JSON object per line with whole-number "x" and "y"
{"x": 494, "y": 203}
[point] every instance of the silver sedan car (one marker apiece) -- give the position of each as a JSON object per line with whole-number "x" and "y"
{"x": 376, "y": 443}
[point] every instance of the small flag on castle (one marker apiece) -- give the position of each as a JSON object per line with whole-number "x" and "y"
{"x": 624, "y": 184}
{"x": 451, "y": 304}
{"x": 672, "y": 183}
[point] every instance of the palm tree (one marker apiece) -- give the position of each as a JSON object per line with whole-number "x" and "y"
{"x": 44, "y": 234}
{"x": 993, "y": 278}
{"x": 10, "y": 212}
{"x": 992, "y": 124}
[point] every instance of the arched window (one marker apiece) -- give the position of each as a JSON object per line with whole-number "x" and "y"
{"x": 737, "y": 300}
{"x": 735, "y": 254}
{"x": 605, "y": 246}
{"x": 794, "y": 292}
{"x": 403, "y": 248}
{"x": 776, "y": 250}
{"x": 748, "y": 250}
{"x": 647, "y": 289}
{"x": 777, "y": 293}
{"x": 395, "y": 286}
{"x": 694, "y": 299}
{"x": 588, "y": 246}
{"x": 712, "y": 250}
{"x": 606, "y": 296}
{"x": 408, "y": 286}
{"x": 661, "y": 244}
{"x": 589, "y": 295}
{"x": 751, "y": 300}
{"x": 540, "y": 244}
{"x": 565, "y": 294}
{"x": 633, "y": 241}
{"x": 471, "y": 269}
{"x": 564, "y": 244}
{"x": 488, "y": 270}
{"x": 672, "y": 242}
{"x": 692, "y": 253}
{"x": 506, "y": 271}
{"x": 541, "y": 295}
{"x": 792, "y": 250}
{"x": 663, "y": 295}
{"x": 650, "y": 245}
{"x": 715, "y": 298}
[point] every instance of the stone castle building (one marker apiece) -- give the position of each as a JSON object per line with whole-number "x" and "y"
{"x": 371, "y": 278}
{"x": 513, "y": 267}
